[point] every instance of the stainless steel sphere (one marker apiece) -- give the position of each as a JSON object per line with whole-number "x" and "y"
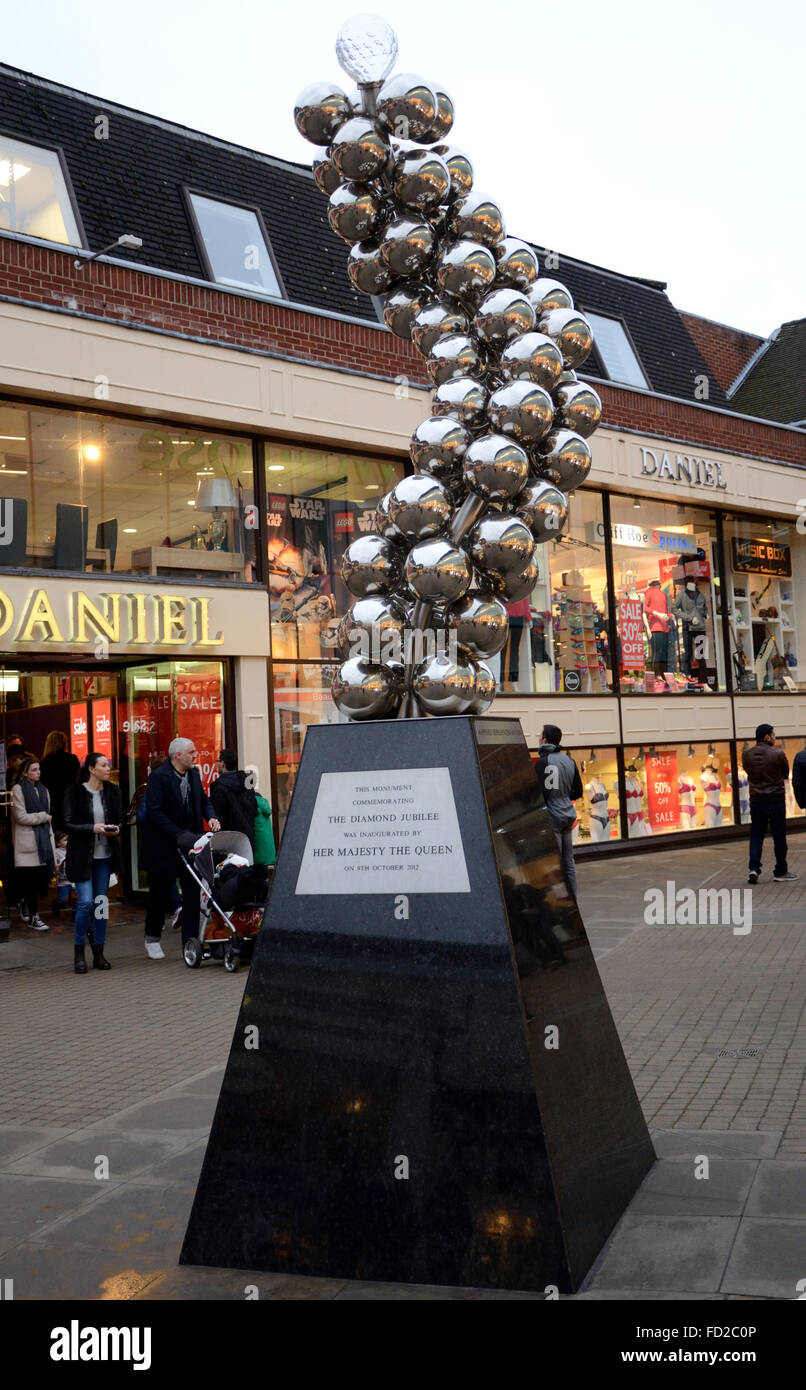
{"x": 455, "y": 354}
{"x": 500, "y": 545}
{"x": 319, "y": 111}
{"x": 503, "y": 315}
{"x": 438, "y": 446}
{"x": 460, "y": 169}
{"x": 462, "y": 396}
{"x": 547, "y": 294}
{"x": 371, "y": 628}
{"x": 485, "y": 688}
{"x": 442, "y": 686}
{"x": 517, "y": 264}
{"x": 420, "y": 180}
{"x": 325, "y": 173}
{"x": 480, "y": 622}
{"x": 478, "y": 218}
{"x": 434, "y": 320}
{"x": 466, "y": 269}
{"x": 579, "y": 407}
{"x": 567, "y": 456}
{"x": 354, "y": 212}
{"x": 444, "y": 119}
{"x": 407, "y": 107}
{"x": 367, "y": 269}
{"x": 522, "y": 410}
{"x": 407, "y": 245}
{"x": 513, "y": 587}
{"x": 371, "y": 565}
{"x": 532, "y": 357}
{"x": 571, "y": 332}
{"x": 419, "y": 507}
{"x": 359, "y": 151}
{"x": 401, "y": 305}
{"x": 496, "y": 467}
{"x": 544, "y": 509}
{"x": 383, "y": 524}
{"x": 438, "y": 571}
{"x": 362, "y": 690}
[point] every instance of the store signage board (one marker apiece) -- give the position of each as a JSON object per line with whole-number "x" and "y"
{"x": 394, "y": 831}
{"x": 684, "y": 469}
{"x": 643, "y": 538}
{"x": 749, "y": 556}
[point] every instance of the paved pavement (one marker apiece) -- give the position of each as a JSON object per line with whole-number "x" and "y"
{"x": 111, "y": 1079}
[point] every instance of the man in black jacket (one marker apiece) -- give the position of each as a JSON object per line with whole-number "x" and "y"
{"x": 233, "y": 798}
{"x": 767, "y": 771}
{"x": 175, "y": 803}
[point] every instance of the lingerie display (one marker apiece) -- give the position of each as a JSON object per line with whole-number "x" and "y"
{"x": 637, "y": 823}
{"x": 686, "y": 788}
{"x": 712, "y": 787}
{"x": 597, "y": 797}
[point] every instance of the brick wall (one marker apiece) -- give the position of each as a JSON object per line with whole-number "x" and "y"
{"x": 138, "y": 298}
{"x": 726, "y": 350}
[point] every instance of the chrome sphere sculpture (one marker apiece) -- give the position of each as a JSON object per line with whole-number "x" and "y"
{"x": 507, "y": 436}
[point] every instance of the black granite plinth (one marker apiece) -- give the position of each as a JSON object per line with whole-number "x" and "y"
{"x": 436, "y": 1092}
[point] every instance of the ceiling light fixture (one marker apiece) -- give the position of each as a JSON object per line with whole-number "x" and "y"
{"x": 130, "y": 530}
{"x": 276, "y": 468}
{"x": 91, "y": 453}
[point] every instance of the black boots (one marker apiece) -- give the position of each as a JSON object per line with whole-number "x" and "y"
{"x": 80, "y": 965}
{"x": 99, "y": 961}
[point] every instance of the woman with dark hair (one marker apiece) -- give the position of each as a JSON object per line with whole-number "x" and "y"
{"x": 34, "y": 846}
{"x": 92, "y": 817}
{"x": 59, "y": 771}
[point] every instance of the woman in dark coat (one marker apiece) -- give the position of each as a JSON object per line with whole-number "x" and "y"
{"x": 59, "y": 771}
{"x": 93, "y": 818}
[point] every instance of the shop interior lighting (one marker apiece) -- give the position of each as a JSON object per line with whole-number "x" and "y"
{"x": 276, "y": 468}
{"x": 691, "y": 750}
{"x": 127, "y": 241}
{"x": 19, "y": 171}
{"x": 592, "y": 758}
{"x": 711, "y": 750}
{"x": 653, "y": 752}
{"x": 641, "y": 755}
{"x": 9, "y": 682}
{"x": 637, "y": 505}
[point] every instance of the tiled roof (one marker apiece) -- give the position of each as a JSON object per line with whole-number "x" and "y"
{"x": 773, "y": 384}
{"x": 132, "y": 182}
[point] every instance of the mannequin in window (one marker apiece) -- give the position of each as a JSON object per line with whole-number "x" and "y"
{"x": 743, "y": 783}
{"x": 636, "y": 822}
{"x": 519, "y": 618}
{"x": 692, "y": 610}
{"x": 656, "y": 618}
{"x": 596, "y": 795}
{"x": 712, "y": 787}
{"x": 686, "y": 787}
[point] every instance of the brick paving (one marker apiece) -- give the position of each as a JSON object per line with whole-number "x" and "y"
{"x": 128, "y": 1063}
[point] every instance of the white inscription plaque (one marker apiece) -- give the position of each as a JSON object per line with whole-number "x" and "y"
{"x": 384, "y": 832}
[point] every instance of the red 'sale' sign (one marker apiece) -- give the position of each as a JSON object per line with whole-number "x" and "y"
{"x": 102, "y": 727}
{"x": 662, "y": 794}
{"x": 79, "y": 739}
{"x": 631, "y": 630}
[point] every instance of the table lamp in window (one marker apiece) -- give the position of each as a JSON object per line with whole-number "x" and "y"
{"x": 216, "y": 495}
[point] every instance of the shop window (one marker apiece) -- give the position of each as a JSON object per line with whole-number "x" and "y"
{"x": 616, "y": 351}
{"x": 766, "y": 604}
{"x": 791, "y": 747}
{"x": 88, "y": 492}
{"x": 234, "y": 245}
{"x": 557, "y": 640}
{"x": 598, "y": 817}
{"x": 674, "y": 787}
{"x": 667, "y": 598}
{"x": 318, "y": 502}
{"x": 34, "y": 197}
{"x": 301, "y": 698}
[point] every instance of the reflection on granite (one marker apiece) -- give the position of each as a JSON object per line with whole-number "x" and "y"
{"x": 416, "y": 1046}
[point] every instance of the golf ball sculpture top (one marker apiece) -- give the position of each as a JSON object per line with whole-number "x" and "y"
{"x": 507, "y": 436}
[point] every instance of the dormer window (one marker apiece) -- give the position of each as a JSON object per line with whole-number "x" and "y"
{"x": 616, "y": 351}
{"x": 34, "y": 193}
{"x": 235, "y": 245}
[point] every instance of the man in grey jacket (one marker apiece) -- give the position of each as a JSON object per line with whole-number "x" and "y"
{"x": 559, "y": 780}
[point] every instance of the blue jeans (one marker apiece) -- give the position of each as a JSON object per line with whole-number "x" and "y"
{"x": 86, "y": 915}
{"x": 565, "y": 845}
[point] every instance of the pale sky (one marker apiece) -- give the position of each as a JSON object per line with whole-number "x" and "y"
{"x": 658, "y": 139}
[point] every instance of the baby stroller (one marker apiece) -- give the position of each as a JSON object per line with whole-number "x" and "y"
{"x": 232, "y": 894}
